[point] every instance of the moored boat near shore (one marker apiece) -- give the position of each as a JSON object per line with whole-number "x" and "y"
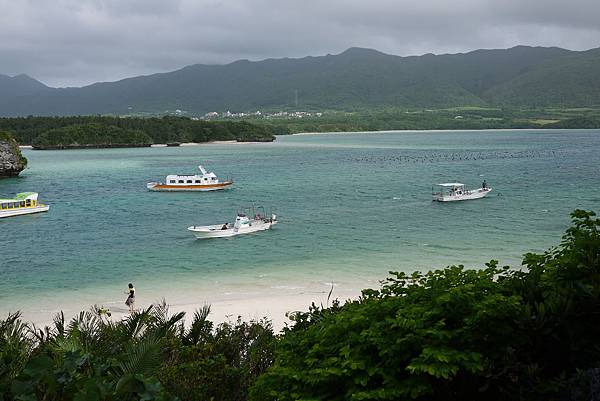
{"x": 242, "y": 225}
{"x": 455, "y": 191}
{"x": 207, "y": 181}
{"x": 22, "y": 203}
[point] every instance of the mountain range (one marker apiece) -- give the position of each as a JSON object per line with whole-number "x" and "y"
{"x": 519, "y": 77}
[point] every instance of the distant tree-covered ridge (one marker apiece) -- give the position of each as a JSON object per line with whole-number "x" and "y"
{"x": 357, "y": 78}
{"x": 90, "y": 131}
{"x": 453, "y": 334}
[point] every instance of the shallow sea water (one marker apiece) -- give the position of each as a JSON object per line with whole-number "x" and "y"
{"x": 351, "y": 207}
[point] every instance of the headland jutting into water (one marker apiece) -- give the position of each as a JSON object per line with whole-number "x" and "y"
{"x": 12, "y": 161}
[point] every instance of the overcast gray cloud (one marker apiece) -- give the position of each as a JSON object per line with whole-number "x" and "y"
{"x": 77, "y": 42}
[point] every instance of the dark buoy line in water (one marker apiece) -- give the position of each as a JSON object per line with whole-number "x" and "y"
{"x": 419, "y": 157}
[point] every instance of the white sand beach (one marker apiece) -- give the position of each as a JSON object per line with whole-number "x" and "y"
{"x": 220, "y": 143}
{"x": 188, "y": 144}
{"x": 273, "y": 308}
{"x": 224, "y": 307}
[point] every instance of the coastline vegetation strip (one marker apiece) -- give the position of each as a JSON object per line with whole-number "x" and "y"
{"x": 458, "y": 118}
{"x": 449, "y": 334}
{"x": 113, "y": 131}
{"x": 91, "y": 135}
{"x": 98, "y": 131}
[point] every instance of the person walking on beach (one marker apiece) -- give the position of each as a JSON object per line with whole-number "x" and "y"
{"x": 130, "y": 297}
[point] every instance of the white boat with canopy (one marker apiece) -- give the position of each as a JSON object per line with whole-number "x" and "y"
{"x": 242, "y": 225}
{"x": 206, "y": 181}
{"x": 455, "y": 191}
{"x": 22, "y": 203}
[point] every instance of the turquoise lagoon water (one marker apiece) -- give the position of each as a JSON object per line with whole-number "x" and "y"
{"x": 351, "y": 208}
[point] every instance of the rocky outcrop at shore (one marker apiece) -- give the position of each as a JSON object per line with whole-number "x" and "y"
{"x": 12, "y": 161}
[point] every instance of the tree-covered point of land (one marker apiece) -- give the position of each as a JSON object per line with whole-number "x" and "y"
{"x": 92, "y": 130}
{"x": 96, "y": 135}
{"x": 495, "y": 333}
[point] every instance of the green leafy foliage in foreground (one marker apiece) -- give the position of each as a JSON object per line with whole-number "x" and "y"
{"x": 148, "y": 356}
{"x": 98, "y": 130}
{"x": 452, "y": 334}
{"x": 456, "y": 334}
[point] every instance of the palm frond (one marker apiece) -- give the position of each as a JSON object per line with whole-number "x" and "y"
{"x": 16, "y": 345}
{"x": 9, "y": 321}
{"x": 41, "y": 336}
{"x": 136, "y": 324}
{"x": 161, "y": 323}
{"x": 63, "y": 345}
{"x": 59, "y": 324}
{"x": 160, "y": 311}
{"x": 142, "y": 357}
{"x": 86, "y": 329}
{"x": 13, "y": 330}
{"x": 201, "y": 327}
{"x": 169, "y": 328}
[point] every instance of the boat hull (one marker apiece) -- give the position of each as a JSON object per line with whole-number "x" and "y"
{"x": 470, "y": 195}
{"x": 216, "y": 231}
{"x": 23, "y": 211}
{"x": 158, "y": 187}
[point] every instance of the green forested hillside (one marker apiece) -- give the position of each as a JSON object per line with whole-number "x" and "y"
{"x": 567, "y": 82}
{"x": 355, "y": 79}
{"x": 20, "y": 85}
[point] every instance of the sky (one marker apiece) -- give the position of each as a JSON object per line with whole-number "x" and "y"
{"x": 78, "y": 42}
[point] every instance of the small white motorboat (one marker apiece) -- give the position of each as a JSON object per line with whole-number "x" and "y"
{"x": 242, "y": 225}
{"x": 455, "y": 191}
{"x": 206, "y": 181}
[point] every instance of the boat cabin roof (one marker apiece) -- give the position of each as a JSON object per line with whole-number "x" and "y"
{"x": 22, "y": 196}
{"x": 175, "y": 176}
{"x": 452, "y": 184}
{"x": 205, "y": 174}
